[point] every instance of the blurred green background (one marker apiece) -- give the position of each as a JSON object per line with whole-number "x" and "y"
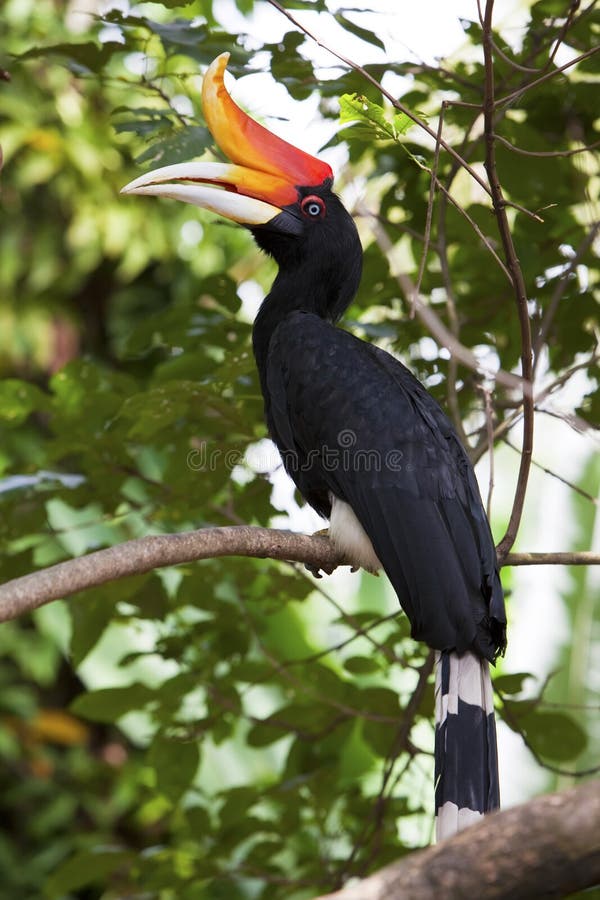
{"x": 231, "y": 728}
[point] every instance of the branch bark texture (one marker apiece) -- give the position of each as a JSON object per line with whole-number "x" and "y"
{"x": 24, "y": 594}
{"x": 547, "y": 848}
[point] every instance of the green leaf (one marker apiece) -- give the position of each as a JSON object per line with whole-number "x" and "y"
{"x": 87, "y": 867}
{"x": 301, "y": 718}
{"x": 361, "y": 665}
{"x": 143, "y": 120}
{"x": 87, "y": 57}
{"x": 554, "y": 735}
{"x": 180, "y": 146}
{"x": 109, "y": 704}
{"x": 511, "y": 684}
{"x": 175, "y": 763}
{"x": 79, "y": 530}
{"x": 91, "y": 616}
{"x": 93, "y": 610}
{"x": 373, "y": 120}
{"x": 173, "y": 4}
{"x": 363, "y": 33}
{"x": 18, "y": 399}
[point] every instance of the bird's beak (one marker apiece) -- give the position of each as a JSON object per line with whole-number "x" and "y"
{"x": 262, "y": 178}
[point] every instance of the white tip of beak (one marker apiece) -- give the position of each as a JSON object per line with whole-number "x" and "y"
{"x": 180, "y": 171}
{"x": 237, "y": 207}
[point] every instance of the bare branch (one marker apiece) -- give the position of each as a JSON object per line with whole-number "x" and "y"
{"x": 559, "y": 291}
{"x": 430, "y": 202}
{"x": 463, "y": 212}
{"x": 489, "y": 428}
{"x": 395, "y": 103}
{"x": 575, "y": 4}
{"x": 574, "y": 487}
{"x": 566, "y": 558}
{"x": 142, "y": 555}
{"x": 546, "y": 153}
{"x": 515, "y": 725}
{"x": 518, "y": 282}
{"x": 443, "y": 336}
{"x": 547, "y": 848}
{"x": 513, "y": 63}
{"x": 24, "y": 594}
{"x": 526, "y": 87}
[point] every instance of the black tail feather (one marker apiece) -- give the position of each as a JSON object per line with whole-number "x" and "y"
{"x": 466, "y": 755}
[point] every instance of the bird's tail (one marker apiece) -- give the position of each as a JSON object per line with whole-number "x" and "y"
{"x": 466, "y": 755}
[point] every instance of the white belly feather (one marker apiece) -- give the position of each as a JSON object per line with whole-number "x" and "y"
{"x": 349, "y": 536}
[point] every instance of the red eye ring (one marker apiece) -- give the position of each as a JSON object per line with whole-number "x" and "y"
{"x": 313, "y": 207}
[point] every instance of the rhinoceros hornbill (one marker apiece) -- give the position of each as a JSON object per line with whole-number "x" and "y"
{"x": 362, "y": 439}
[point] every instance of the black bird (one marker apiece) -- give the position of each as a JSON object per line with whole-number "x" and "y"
{"x": 364, "y": 442}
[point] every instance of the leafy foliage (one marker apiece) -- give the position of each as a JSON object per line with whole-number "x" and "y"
{"x": 228, "y": 729}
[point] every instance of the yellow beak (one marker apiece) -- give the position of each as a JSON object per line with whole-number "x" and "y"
{"x": 263, "y": 178}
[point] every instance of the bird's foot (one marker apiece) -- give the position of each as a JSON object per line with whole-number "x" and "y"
{"x": 319, "y": 571}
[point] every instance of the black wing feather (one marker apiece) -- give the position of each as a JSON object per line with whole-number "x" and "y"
{"x": 350, "y": 419}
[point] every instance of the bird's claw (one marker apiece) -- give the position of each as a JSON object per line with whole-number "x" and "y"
{"x": 320, "y": 570}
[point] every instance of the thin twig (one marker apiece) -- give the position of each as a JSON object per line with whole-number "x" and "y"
{"x": 350, "y": 620}
{"x": 401, "y": 742}
{"x": 463, "y": 212}
{"x": 489, "y": 420}
{"x": 307, "y": 690}
{"x": 453, "y": 320}
{"x": 517, "y": 281}
{"x": 430, "y": 202}
{"x": 575, "y": 4}
{"x": 511, "y": 62}
{"x": 566, "y": 558}
{"x": 451, "y": 392}
{"x": 561, "y": 379}
{"x": 510, "y": 421}
{"x": 530, "y": 84}
{"x": 395, "y": 103}
{"x": 357, "y": 633}
{"x": 524, "y": 210}
{"x": 559, "y": 291}
{"x": 541, "y": 154}
{"x": 372, "y": 828}
{"x": 437, "y": 328}
{"x": 553, "y": 474}
{"x": 513, "y": 722}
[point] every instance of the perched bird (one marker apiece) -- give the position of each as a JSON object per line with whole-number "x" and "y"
{"x": 365, "y": 443}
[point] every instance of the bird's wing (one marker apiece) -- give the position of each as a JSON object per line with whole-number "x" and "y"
{"x": 352, "y": 420}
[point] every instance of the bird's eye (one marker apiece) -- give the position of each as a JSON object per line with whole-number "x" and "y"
{"x": 313, "y": 207}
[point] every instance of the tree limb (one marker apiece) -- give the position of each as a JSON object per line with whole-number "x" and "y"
{"x": 24, "y": 594}
{"x": 546, "y": 848}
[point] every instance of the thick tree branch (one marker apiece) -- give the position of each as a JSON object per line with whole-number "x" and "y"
{"x": 156, "y": 551}
{"x": 24, "y": 594}
{"x": 546, "y": 848}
